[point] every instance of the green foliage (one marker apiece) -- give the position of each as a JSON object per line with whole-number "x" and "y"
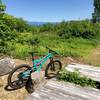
{"x": 47, "y": 27}
{"x": 25, "y": 38}
{"x": 68, "y": 44}
{"x": 20, "y": 51}
{"x": 21, "y": 25}
{"x": 5, "y": 35}
{"x": 75, "y": 77}
{"x": 34, "y": 29}
{"x": 9, "y": 26}
{"x": 96, "y": 14}
{"x": 15, "y": 24}
{"x": 74, "y": 38}
{"x": 74, "y": 47}
{"x": 2, "y": 8}
{"x": 84, "y": 29}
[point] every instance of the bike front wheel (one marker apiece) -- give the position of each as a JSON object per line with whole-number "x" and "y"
{"x": 53, "y": 68}
{"x": 14, "y": 80}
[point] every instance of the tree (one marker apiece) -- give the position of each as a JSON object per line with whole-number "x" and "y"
{"x": 47, "y": 27}
{"x": 6, "y": 33}
{"x": 2, "y": 7}
{"x": 96, "y": 14}
{"x": 21, "y": 25}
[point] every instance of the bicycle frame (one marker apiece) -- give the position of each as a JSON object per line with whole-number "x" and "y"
{"x": 37, "y": 65}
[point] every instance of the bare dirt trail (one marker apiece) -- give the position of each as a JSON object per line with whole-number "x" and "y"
{"x": 10, "y": 95}
{"x": 94, "y": 57}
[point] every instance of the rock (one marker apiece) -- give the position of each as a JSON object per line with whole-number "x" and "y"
{"x": 6, "y": 65}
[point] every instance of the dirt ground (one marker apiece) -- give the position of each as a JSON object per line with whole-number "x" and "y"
{"x": 94, "y": 57}
{"x": 10, "y": 95}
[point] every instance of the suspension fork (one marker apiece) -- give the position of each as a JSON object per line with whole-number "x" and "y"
{"x": 51, "y": 60}
{"x": 52, "y": 64}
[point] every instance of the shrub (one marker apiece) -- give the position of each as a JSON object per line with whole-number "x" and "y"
{"x": 84, "y": 29}
{"x": 74, "y": 77}
{"x": 5, "y": 35}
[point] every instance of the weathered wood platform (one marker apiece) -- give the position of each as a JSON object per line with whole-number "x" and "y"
{"x": 89, "y": 71}
{"x": 54, "y": 90}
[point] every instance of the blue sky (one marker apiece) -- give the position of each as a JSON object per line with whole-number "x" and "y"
{"x": 50, "y": 10}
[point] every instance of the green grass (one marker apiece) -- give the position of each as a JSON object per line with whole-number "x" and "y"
{"x": 74, "y": 47}
{"x": 20, "y": 51}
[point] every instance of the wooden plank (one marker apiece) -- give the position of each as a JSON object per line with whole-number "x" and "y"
{"x": 54, "y": 90}
{"x": 89, "y": 71}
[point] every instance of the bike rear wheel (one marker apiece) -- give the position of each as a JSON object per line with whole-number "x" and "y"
{"x": 14, "y": 80}
{"x": 53, "y": 68}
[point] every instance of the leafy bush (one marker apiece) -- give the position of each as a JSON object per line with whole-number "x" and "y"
{"x": 2, "y": 8}
{"x": 5, "y": 35}
{"x": 74, "y": 77}
{"x": 17, "y": 24}
{"x": 84, "y": 29}
{"x": 47, "y": 27}
{"x": 9, "y": 26}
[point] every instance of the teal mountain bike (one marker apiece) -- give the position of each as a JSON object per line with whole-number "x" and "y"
{"x": 19, "y": 76}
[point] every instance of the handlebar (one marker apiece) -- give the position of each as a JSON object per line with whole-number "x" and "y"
{"x": 50, "y": 50}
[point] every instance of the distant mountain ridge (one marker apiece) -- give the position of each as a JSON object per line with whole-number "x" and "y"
{"x": 40, "y": 23}
{"x": 37, "y": 23}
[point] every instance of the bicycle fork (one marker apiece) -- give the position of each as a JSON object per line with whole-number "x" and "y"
{"x": 52, "y": 64}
